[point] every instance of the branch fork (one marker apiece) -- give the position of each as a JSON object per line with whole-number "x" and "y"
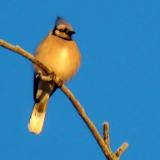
{"x": 103, "y": 142}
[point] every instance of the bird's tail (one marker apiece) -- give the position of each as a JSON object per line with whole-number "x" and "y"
{"x": 38, "y": 115}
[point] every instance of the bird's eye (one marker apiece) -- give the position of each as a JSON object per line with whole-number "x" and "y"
{"x": 65, "y": 30}
{"x": 61, "y": 30}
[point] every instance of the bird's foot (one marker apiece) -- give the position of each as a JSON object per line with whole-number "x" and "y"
{"x": 58, "y": 81}
{"x": 49, "y": 78}
{"x": 39, "y": 74}
{"x": 46, "y": 78}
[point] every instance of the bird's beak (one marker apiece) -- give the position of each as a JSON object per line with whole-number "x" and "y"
{"x": 72, "y": 32}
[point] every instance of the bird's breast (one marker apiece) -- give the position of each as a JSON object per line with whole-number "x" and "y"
{"x": 60, "y": 56}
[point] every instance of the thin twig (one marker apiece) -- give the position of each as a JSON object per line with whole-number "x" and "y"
{"x": 121, "y": 149}
{"x": 101, "y": 142}
{"x": 106, "y": 133}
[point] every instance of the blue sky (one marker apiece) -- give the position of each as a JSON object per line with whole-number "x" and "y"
{"x": 119, "y": 79}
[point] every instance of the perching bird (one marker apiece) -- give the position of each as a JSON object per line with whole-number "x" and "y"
{"x": 59, "y": 52}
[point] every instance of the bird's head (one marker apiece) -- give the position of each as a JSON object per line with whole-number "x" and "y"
{"x": 63, "y": 29}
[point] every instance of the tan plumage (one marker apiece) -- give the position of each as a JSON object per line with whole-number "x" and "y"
{"x": 61, "y": 55}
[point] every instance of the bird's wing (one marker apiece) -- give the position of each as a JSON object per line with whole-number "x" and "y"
{"x": 37, "y": 88}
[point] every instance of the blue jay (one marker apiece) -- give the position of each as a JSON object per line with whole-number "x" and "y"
{"x": 59, "y": 52}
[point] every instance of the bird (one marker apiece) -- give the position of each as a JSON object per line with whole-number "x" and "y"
{"x": 61, "y": 54}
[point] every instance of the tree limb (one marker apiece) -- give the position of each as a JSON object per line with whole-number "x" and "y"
{"x": 102, "y": 142}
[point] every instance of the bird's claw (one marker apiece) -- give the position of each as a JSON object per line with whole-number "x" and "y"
{"x": 58, "y": 81}
{"x": 39, "y": 74}
{"x": 50, "y": 77}
{"x": 46, "y": 78}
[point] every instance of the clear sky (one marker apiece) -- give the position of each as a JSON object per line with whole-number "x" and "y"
{"x": 118, "y": 81}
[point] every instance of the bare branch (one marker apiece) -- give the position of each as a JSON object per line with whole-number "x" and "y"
{"x": 50, "y": 76}
{"x": 89, "y": 123}
{"x": 106, "y": 133}
{"x": 121, "y": 149}
{"x": 22, "y": 52}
